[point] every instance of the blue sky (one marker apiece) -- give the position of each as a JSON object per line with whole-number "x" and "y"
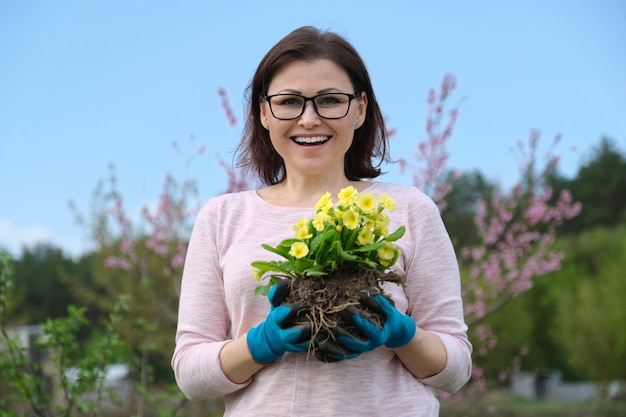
{"x": 86, "y": 84}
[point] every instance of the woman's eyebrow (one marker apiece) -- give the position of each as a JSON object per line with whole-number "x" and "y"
{"x": 323, "y": 91}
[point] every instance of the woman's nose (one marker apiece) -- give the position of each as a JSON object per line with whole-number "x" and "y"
{"x": 309, "y": 116}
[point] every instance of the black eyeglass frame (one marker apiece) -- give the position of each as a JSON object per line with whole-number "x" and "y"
{"x": 312, "y": 100}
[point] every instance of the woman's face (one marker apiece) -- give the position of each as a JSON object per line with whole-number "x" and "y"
{"x": 311, "y": 145}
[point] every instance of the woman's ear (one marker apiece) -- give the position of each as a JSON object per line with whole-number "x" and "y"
{"x": 263, "y": 114}
{"x": 360, "y": 119}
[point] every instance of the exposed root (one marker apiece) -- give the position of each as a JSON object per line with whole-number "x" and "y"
{"x": 328, "y": 296}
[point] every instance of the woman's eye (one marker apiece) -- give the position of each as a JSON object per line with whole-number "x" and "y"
{"x": 329, "y": 100}
{"x": 290, "y": 101}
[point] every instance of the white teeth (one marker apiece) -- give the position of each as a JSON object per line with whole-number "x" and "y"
{"x": 314, "y": 139}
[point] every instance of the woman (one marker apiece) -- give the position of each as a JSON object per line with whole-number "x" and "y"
{"x": 314, "y": 126}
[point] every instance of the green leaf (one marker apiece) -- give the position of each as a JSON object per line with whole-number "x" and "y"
{"x": 316, "y": 241}
{"x": 320, "y": 244}
{"x": 312, "y": 273}
{"x": 285, "y": 245}
{"x": 262, "y": 290}
{"x": 352, "y": 237}
{"x": 282, "y": 248}
{"x": 372, "y": 264}
{"x": 395, "y": 258}
{"x": 265, "y": 289}
{"x": 396, "y": 235}
{"x": 274, "y": 266}
{"x": 315, "y": 270}
{"x": 370, "y": 247}
{"x": 302, "y": 264}
{"x": 342, "y": 253}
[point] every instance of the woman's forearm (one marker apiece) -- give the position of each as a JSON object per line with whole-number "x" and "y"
{"x": 237, "y": 362}
{"x": 424, "y": 355}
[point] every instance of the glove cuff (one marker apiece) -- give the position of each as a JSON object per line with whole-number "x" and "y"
{"x": 260, "y": 352}
{"x": 404, "y": 335}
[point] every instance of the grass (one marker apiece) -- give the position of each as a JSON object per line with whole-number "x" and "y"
{"x": 502, "y": 404}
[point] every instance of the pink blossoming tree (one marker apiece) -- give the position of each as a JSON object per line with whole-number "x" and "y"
{"x": 516, "y": 228}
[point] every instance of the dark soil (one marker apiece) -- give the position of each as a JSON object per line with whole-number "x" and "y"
{"x": 329, "y": 295}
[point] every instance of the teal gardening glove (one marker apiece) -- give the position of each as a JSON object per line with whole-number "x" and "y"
{"x": 328, "y": 349}
{"x": 278, "y": 334}
{"x": 397, "y": 331}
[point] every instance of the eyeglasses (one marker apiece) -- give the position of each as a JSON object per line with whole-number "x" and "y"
{"x": 327, "y": 105}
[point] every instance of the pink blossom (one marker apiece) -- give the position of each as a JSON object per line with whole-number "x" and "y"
{"x": 230, "y": 115}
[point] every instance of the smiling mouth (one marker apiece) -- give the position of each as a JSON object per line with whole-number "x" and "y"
{"x": 310, "y": 140}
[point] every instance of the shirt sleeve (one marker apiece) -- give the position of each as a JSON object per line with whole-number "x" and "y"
{"x": 203, "y": 320}
{"x": 434, "y": 291}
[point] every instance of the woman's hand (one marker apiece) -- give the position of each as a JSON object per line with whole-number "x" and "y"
{"x": 278, "y": 334}
{"x": 397, "y": 331}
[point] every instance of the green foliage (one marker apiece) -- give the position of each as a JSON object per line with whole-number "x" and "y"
{"x": 26, "y": 381}
{"x": 142, "y": 258}
{"x": 40, "y": 291}
{"x": 6, "y": 284}
{"x": 591, "y": 314}
{"x": 460, "y": 206}
{"x": 502, "y": 403}
{"x": 600, "y": 186}
{"x": 573, "y": 316}
{"x": 171, "y": 397}
{"x": 513, "y": 326}
{"x": 151, "y": 317}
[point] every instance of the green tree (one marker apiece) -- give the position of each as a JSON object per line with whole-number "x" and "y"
{"x": 40, "y": 289}
{"x": 26, "y": 385}
{"x": 571, "y": 319}
{"x": 591, "y": 312}
{"x": 461, "y": 205}
{"x": 600, "y": 186}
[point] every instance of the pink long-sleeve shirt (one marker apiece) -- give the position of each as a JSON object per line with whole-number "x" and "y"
{"x": 218, "y": 304}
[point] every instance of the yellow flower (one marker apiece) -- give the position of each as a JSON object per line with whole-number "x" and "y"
{"x": 318, "y": 223}
{"x": 386, "y": 253}
{"x": 299, "y": 250}
{"x": 303, "y": 234}
{"x": 327, "y": 208}
{"x": 382, "y": 224}
{"x": 382, "y": 220}
{"x": 301, "y": 224}
{"x": 320, "y": 220}
{"x": 367, "y": 202}
{"x": 350, "y": 219}
{"x": 324, "y": 202}
{"x": 347, "y": 196}
{"x": 365, "y": 237}
{"x": 387, "y": 202}
{"x": 302, "y": 229}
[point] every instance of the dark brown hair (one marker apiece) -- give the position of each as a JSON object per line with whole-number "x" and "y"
{"x": 370, "y": 145}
